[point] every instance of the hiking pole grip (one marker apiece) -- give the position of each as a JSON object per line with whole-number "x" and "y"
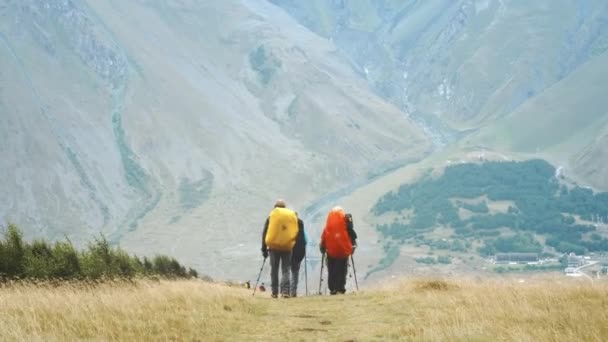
{"x": 352, "y": 261}
{"x": 259, "y": 275}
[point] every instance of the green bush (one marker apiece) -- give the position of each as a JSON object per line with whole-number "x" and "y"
{"x": 426, "y": 260}
{"x": 12, "y": 263}
{"x": 444, "y": 259}
{"x": 480, "y": 208}
{"x": 264, "y": 63}
{"x": 168, "y": 267}
{"x": 566, "y": 247}
{"x": 66, "y": 263}
{"x": 487, "y": 249}
{"x": 519, "y": 243}
{"x": 148, "y": 266}
{"x": 39, "y": 260}
{"x": 192, "y": 273}
{"x": 97, "y": 259}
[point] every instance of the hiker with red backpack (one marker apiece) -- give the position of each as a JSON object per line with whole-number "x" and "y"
{"x": 339, "y": 241}
{"x": 278, "y": 240}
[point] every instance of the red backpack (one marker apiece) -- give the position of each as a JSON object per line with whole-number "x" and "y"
{"x": 335, "y": 237}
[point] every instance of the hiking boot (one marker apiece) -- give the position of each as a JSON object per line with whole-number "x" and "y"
{"x": 285, "y": 296}
{"x": 341, "y": 291}
{"x": 333, "y": 293}
{"x": 274, "y": 295}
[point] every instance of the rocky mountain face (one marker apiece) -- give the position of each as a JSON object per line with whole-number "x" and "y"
{"x": 172, "y": 126}
{"x": 458, "y": 65}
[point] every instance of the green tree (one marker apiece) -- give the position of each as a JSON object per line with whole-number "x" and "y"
{"x": 38, "y": 260}
{"x": 66, "y": 263}
{"x": 13, "y": 253}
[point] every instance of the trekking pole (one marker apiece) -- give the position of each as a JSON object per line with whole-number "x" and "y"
{"x": 350, "y": 274}
{"x": 321, "y": 276}
{"x": 259, "y": 275}
{"x": 306, "y": 273}
{"x": 352, "y": 261}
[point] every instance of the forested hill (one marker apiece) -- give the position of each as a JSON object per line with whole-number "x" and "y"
{"x": 498, "y": 207}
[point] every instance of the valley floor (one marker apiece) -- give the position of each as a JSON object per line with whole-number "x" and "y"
{"x": 421, "y": 309}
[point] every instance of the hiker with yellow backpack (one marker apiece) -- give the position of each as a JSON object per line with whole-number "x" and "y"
{"x": 339, "y": 241}
{"x": 278, "y": 240}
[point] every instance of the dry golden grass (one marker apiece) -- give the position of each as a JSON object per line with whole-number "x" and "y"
{"x": 428, "y": 310}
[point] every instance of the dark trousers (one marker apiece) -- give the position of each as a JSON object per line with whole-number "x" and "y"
{"x": 295, "y": 275}
{"x": 282, "y": 259}
{"x": 336, "y": 274}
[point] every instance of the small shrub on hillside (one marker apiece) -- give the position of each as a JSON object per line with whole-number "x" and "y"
{"x": 426, "y": 260}
{"x": 65, "y": 261}
{"x": 148, "y": 266}
{"x": 38, "y": 260}
{"x": 435, "y": 285}
{"x": 169, "y": 267}
{"x": 192, "y": 273}
{"x": 444, "y": 259}
{"x": 12, "y": 263}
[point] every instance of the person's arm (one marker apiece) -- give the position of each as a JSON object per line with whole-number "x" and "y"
{"x": 264, "y": 247}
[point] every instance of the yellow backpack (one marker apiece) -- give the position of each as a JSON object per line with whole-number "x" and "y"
{"x": 282, "y": 229}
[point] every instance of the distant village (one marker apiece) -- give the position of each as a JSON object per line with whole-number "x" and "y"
{"x": 592, "y": 265}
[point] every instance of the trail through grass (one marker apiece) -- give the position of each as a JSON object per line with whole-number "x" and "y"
{"x": 426, "y": 310}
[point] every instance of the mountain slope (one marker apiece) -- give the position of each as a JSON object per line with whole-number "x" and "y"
{"x": 465, "y": 62}
{"x": 485, "y": 79}
{"x": 172, "y": 126}
{"x": 175, "y": 129}
{"x": 567, "y": 123}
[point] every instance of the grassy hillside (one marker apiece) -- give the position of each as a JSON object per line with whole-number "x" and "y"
{"x": 566, "y": 123}
{"x": 418, "y": 309}
{"x": 572, "y": 112}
